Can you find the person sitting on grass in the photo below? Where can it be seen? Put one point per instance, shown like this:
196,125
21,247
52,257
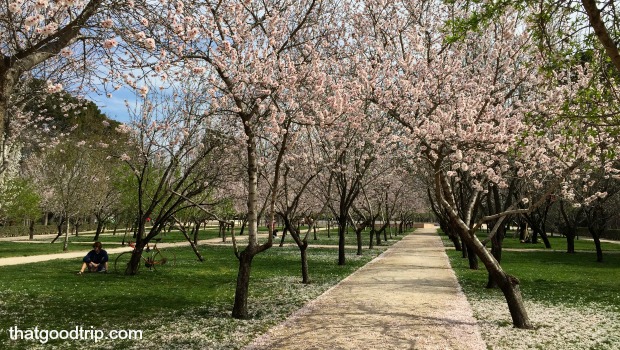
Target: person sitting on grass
96,260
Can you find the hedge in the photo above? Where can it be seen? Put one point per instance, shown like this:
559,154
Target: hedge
613,234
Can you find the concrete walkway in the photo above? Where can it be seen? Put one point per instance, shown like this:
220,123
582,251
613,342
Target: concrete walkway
407,298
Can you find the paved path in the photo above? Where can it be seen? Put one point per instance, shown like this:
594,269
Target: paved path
17,260
407,298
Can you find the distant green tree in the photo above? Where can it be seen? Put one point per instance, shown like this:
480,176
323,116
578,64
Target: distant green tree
21,202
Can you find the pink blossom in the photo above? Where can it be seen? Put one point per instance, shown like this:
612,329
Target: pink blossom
150,43
32,20
53,88
40,4
143,91
123,129
50,29
192,33
15,8
108,23
110,43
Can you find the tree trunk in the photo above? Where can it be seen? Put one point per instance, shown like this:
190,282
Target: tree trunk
384,232
496,251
464,252
243,224
456,241
303,250
65,245
31,229
599,250
98,232
596,233
545,238
192,244
135,261
314,229
196,232
570,241
59,230
342,226
522,230
444,225
598,24
507,283
328,229
358,235
240,308
472,258
76,227
283,235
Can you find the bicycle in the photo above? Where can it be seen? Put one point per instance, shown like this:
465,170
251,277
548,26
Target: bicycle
152,258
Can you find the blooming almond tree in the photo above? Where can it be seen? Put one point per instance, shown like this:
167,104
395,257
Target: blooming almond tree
350,148
63,177
253,57
467,107
40,39
295,202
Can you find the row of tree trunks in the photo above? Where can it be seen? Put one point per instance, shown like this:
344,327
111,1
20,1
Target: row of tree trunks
508,284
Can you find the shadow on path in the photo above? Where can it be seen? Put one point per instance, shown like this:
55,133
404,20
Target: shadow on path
407,298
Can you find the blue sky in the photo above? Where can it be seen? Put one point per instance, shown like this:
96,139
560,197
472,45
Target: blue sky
114,107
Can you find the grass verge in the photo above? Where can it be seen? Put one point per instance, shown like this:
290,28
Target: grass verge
573,301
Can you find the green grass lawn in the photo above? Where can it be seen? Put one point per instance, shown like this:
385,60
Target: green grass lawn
11,249
557,243
166,305
83,243
552,276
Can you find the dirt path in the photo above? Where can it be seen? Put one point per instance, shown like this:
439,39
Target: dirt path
407,298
